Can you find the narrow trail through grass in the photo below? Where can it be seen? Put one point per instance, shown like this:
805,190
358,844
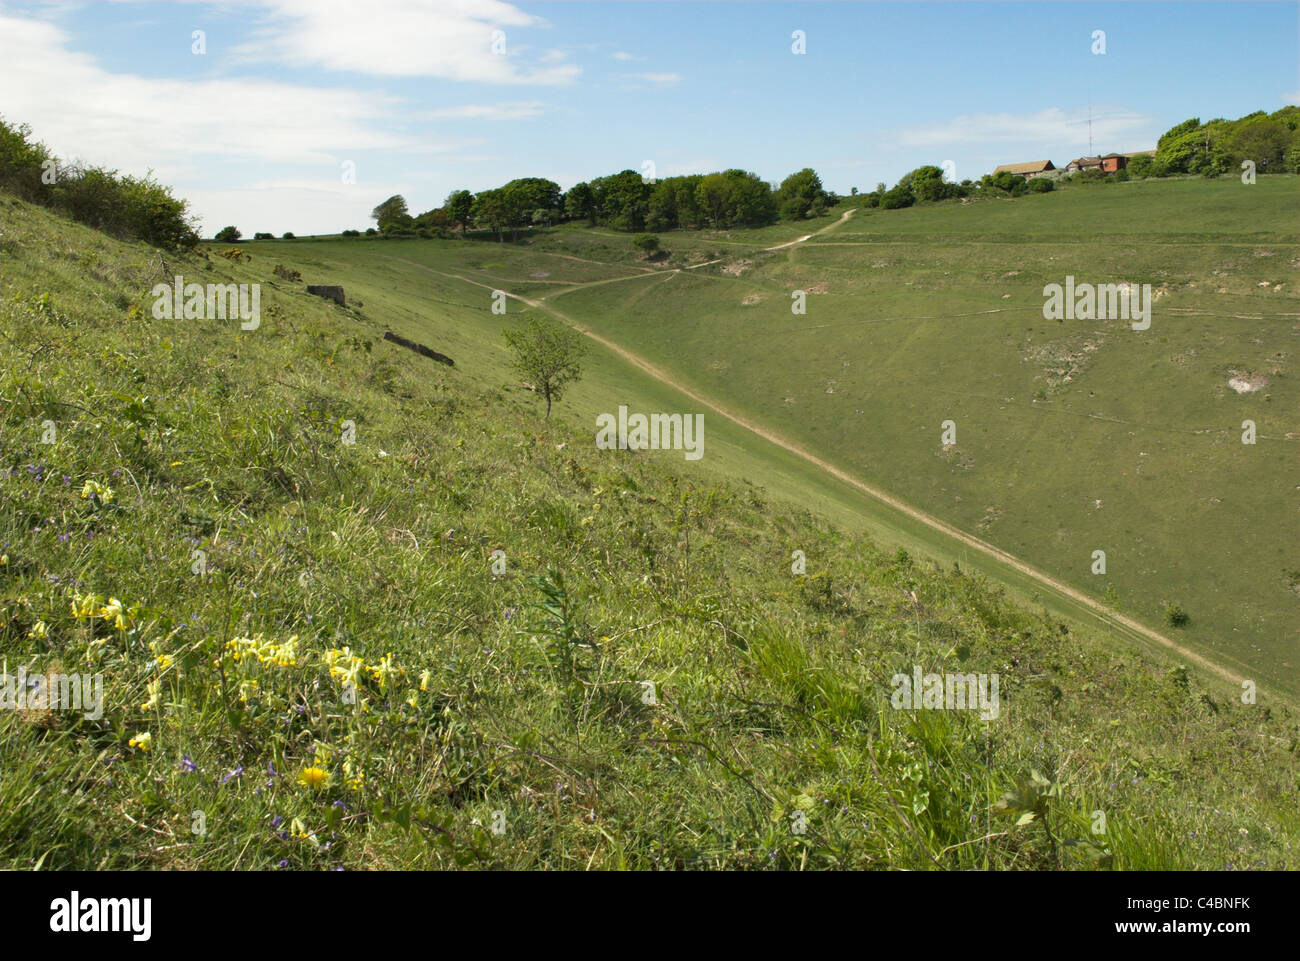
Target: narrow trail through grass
1125,625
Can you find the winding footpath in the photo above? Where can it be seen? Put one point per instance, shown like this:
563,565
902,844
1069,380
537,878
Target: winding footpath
1128,624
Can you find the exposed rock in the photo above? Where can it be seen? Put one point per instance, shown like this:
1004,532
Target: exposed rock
328,292
418,348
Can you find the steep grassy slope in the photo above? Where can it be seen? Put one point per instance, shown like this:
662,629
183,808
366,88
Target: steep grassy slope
1073,436
512,700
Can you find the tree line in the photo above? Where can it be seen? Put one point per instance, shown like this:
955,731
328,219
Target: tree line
625,201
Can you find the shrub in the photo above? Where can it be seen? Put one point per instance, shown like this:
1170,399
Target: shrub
287,273
263,235
1141,166
287,235
129,207
1041,185
351,233
228,235
1175,616
900,196
647,242
371,231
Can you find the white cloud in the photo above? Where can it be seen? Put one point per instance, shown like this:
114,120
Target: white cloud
624,56
517,110
658,79
1292,98
452,39
1112,128
214,131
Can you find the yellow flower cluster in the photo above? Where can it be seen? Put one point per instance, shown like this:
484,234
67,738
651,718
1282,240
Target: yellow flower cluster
266,652
154,690
91,606
144,741
100,492
347,668
344,666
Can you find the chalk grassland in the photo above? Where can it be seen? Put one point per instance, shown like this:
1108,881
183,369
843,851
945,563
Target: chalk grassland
1072,437
227,738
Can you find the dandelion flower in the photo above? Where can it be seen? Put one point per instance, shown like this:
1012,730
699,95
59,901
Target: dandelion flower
313,777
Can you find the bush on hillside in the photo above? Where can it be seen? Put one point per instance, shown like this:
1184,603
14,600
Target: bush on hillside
228,235
133,208
263,235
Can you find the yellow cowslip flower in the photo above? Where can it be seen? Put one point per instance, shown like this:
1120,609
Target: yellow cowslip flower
425,677
85,605
143,740
314,778
344,665
113,611
247,689
152,689
383,671
164,661
97,490
40,630
286,654
413,699
353,776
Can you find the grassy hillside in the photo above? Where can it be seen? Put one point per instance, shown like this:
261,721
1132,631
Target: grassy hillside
1072,436
513,699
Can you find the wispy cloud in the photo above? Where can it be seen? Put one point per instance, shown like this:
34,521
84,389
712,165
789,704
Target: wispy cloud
517,110
1053,127
656,79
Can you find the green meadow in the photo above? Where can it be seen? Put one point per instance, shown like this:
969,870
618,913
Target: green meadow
278,547
1072,436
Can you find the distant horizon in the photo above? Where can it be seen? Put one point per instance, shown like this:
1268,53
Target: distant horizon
284,116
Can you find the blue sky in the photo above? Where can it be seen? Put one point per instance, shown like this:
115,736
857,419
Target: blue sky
256,130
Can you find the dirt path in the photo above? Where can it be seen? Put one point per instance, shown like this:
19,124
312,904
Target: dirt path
929,520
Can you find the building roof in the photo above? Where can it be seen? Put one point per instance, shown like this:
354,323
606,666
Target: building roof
1034,166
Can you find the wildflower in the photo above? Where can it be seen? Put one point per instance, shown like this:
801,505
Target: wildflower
98,491
187,765
384,670
164,661
345,666
85,605
113,611
425,677
413,699
233,774
40,630
313,777
152,689
143,740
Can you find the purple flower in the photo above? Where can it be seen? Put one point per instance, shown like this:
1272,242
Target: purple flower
189,766
275,821
284,864
235,773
